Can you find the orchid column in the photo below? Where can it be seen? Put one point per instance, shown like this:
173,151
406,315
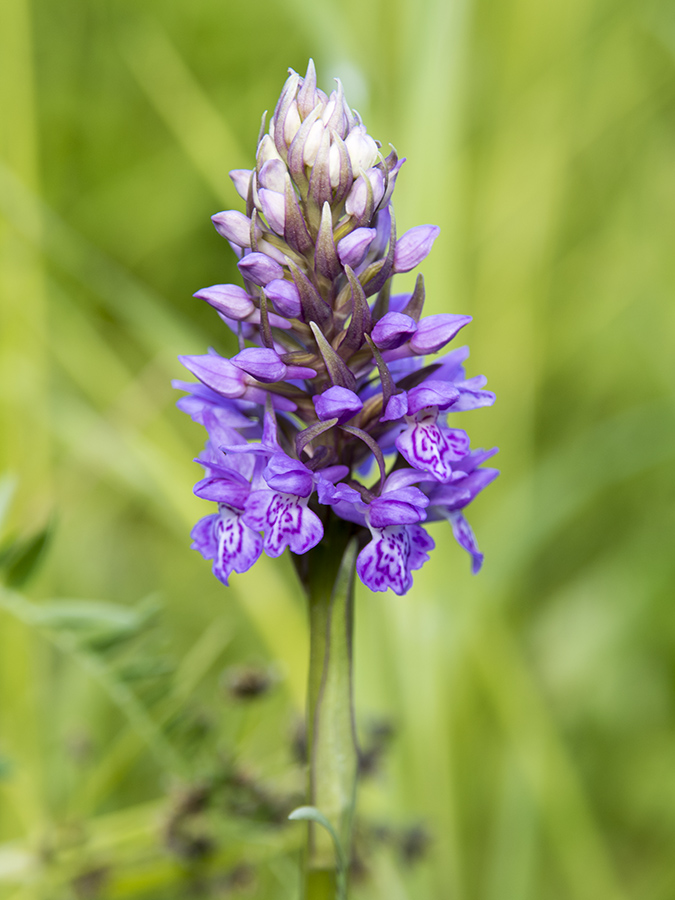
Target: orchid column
327,431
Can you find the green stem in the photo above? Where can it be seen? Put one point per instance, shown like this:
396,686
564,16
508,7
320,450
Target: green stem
328,576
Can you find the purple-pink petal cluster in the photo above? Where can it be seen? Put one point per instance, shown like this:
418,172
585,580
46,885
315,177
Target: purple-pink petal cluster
334,408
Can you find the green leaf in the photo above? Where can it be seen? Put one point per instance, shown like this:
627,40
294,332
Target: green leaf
312,814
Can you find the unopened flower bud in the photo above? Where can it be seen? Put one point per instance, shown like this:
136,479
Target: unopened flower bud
363,150
334,165
217,373
337,402
358,196
241,179
352,248
234,226
229,299
262,363
259,268
414,246
392,330
291,123
313,143
284,295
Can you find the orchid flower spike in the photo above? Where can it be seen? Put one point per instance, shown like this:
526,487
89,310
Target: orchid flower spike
335,407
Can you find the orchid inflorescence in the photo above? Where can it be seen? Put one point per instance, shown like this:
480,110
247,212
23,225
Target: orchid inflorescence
330,409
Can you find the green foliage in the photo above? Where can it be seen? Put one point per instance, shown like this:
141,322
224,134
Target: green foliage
533,705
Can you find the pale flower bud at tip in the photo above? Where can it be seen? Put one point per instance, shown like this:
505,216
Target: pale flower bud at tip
362,148
234,226
414,246
241,179
291,123
312,143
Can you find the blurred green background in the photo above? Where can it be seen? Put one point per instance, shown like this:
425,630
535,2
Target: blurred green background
520,726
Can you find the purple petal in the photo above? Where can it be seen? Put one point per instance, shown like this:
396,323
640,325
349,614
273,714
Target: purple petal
382,564
414,246
262,363
392,330
457,441
451,366
234,226
260,268
284,295
288,475
400,479
238,545
330,494
203,536
448,497
301,373
434,332
333,473
397,407
407,493
465,538
352,248
217,373
470,398
337,402
439,394
285,521
232,489
229,299
388,559
383,512
421,544
476,458
428,447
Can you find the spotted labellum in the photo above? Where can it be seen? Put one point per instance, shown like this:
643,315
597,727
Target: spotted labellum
336,407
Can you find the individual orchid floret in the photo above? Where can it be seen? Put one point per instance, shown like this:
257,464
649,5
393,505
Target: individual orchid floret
280,509
425,444
392,555
330,412
224,537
